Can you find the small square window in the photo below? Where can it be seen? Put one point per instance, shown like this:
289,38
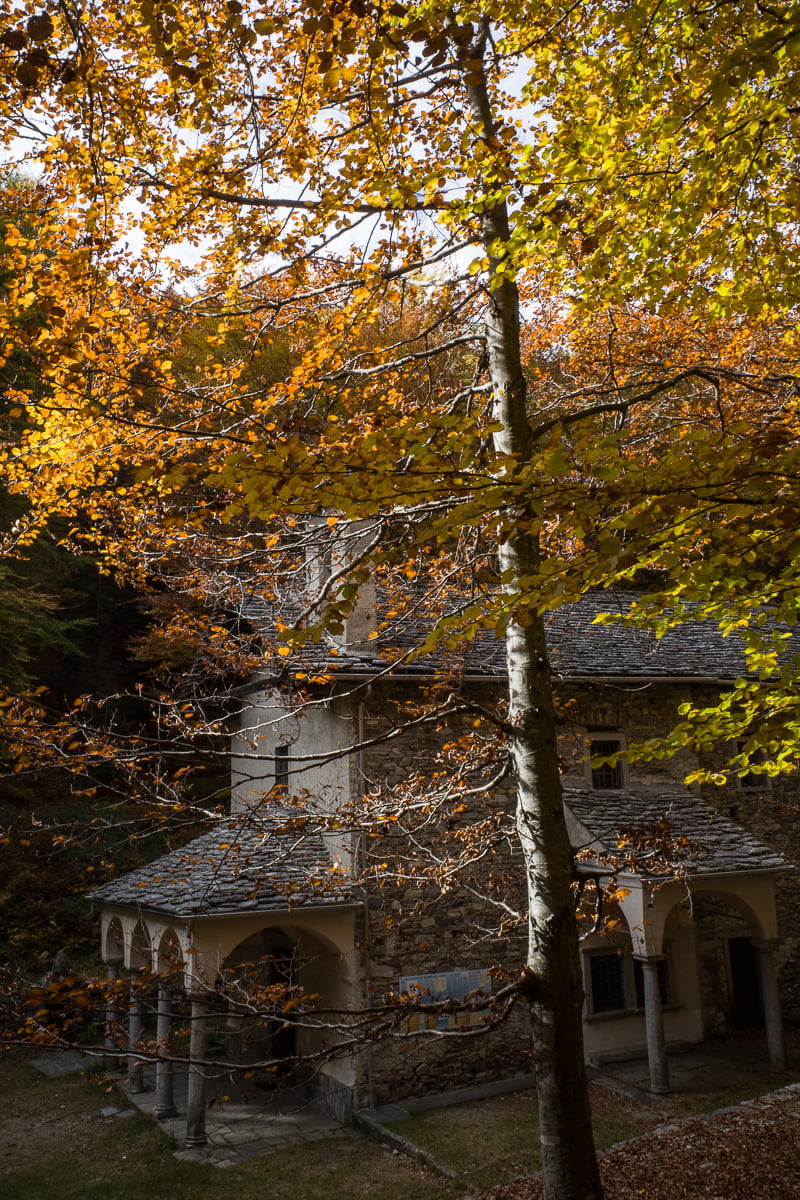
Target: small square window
606,777
615,981
607,982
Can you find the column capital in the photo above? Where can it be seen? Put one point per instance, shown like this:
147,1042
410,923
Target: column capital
766,945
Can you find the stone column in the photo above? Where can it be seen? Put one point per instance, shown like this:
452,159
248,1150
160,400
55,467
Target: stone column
654,1024
112,1016
196,1105
770,999
164,1105
234,1035
135,1022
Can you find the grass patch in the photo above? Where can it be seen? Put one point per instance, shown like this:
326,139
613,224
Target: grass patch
689,1104
55,1142
488,1142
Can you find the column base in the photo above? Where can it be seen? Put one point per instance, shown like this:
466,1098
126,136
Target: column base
162,1114
135,1083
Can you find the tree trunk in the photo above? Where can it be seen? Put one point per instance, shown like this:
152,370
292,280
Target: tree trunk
569,1161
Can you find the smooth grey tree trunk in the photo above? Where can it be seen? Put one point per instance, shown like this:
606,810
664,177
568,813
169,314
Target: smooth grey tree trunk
555,986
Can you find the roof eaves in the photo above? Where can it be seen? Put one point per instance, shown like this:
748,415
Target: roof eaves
177,914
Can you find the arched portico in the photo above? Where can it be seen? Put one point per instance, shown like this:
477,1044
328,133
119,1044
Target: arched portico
312,950
710,853
659,918
309,953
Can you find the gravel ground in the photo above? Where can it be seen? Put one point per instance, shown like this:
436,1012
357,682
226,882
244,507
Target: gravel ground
750,1152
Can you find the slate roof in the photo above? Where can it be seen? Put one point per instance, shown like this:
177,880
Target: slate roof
242,866
247,866
694,649
714,845
578,647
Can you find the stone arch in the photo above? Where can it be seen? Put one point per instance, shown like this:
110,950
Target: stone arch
287,959
728,963
261,971
113,941
614,983
732,899
169,957
732,984
140,951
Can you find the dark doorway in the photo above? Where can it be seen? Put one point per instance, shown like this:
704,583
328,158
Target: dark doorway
280,962
260,978
747,1009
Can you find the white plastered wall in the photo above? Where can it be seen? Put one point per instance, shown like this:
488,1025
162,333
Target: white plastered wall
609,1034
320,774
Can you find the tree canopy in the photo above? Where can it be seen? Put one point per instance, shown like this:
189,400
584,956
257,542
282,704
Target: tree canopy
516,273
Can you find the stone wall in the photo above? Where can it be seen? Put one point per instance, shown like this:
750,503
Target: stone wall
439,902
715,921
771,813
424,917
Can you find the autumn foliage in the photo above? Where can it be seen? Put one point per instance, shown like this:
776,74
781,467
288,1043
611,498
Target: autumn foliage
470,277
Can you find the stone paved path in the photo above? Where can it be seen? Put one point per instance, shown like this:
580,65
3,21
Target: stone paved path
243,1125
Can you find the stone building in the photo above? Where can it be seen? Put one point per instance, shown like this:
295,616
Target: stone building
316,884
